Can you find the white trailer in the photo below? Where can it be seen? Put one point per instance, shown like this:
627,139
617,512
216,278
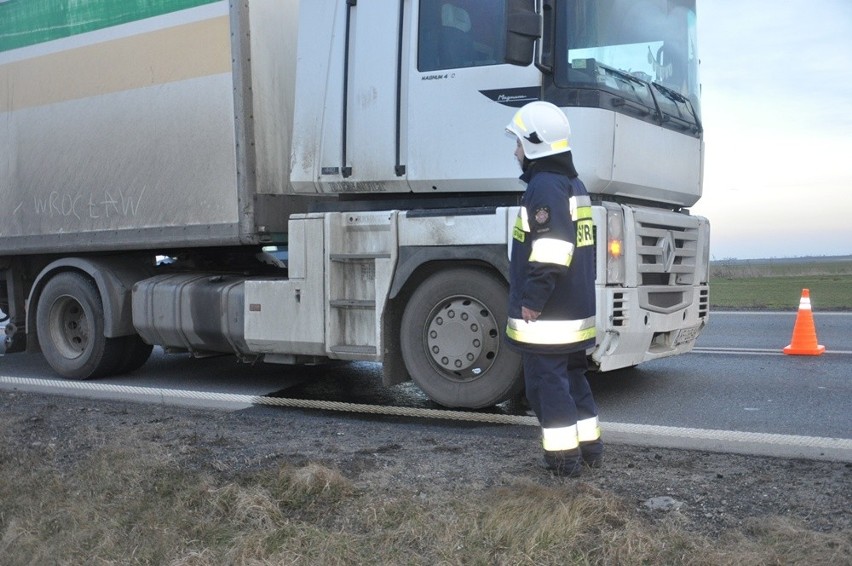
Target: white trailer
153,153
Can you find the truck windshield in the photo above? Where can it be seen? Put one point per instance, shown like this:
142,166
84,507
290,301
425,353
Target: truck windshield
642,51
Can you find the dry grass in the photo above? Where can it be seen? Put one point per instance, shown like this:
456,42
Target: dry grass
131,502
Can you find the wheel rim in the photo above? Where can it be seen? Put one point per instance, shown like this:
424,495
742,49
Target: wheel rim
461,338
69,327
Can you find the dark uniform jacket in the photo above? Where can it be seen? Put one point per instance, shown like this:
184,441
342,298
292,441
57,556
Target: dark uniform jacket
553,263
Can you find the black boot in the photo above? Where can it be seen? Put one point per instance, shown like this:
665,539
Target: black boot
592,453
567,463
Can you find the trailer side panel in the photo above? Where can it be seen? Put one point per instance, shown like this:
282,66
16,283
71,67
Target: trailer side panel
121,137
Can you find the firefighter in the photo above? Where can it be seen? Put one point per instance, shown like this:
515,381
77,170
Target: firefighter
552,290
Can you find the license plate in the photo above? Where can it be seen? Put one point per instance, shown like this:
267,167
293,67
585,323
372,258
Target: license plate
688,335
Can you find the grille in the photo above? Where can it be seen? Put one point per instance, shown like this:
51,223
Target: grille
666,251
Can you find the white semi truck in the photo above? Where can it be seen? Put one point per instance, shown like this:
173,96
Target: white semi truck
297,181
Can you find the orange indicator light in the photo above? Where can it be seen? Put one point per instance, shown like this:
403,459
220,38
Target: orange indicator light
615,248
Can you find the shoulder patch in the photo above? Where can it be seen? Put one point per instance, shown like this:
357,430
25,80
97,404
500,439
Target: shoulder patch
542,215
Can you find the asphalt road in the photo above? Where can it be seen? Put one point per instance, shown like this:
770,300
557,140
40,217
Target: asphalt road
736,380
739,379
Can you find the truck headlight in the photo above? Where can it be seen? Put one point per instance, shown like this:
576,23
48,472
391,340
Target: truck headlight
615,264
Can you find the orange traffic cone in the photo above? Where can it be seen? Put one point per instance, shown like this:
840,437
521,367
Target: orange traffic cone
804,341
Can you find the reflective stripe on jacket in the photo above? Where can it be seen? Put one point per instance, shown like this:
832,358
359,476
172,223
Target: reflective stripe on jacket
551,331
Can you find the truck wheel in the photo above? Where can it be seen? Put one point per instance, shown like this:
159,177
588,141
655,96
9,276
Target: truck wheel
451,340
135,352
70,326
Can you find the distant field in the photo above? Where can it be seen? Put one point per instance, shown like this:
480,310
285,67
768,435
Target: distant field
778,284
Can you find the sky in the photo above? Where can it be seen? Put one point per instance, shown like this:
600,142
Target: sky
776,101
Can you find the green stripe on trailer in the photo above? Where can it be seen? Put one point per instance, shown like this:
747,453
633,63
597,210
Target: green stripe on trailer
28,22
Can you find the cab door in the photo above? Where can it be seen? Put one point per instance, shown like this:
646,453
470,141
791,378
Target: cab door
460,96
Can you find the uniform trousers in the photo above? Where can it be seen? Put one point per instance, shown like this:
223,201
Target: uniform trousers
557,388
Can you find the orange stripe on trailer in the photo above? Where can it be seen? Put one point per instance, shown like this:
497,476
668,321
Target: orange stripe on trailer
168,55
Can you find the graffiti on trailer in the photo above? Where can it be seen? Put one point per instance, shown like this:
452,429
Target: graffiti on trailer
77,205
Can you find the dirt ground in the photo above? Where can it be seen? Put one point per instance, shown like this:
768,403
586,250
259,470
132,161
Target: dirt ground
709,492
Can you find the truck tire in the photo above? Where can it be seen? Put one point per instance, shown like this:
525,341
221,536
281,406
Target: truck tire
135,352
70,327
451,340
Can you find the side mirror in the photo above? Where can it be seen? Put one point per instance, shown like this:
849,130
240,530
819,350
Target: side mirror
523,28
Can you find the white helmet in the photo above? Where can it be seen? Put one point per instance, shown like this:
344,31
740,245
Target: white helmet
542,128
